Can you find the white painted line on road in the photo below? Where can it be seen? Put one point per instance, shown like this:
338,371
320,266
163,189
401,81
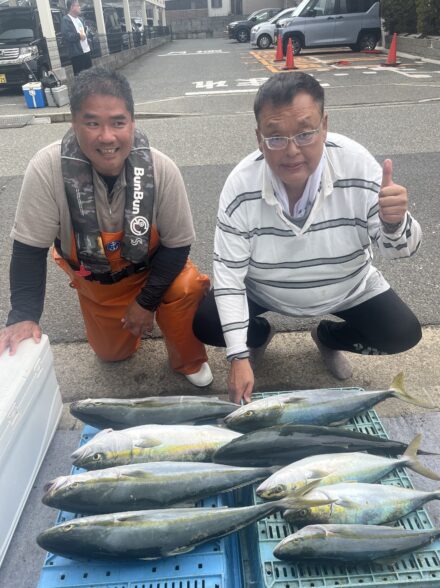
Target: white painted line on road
429,100
179,53
402,72
370,73
213,92
341,74
159,100
16,104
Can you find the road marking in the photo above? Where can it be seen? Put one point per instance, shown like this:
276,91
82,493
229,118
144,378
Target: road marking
214,92
184,53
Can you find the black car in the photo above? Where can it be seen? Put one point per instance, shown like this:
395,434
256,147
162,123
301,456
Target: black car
241,29
23,49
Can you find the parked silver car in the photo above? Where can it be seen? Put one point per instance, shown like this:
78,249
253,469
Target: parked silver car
332,23
263,34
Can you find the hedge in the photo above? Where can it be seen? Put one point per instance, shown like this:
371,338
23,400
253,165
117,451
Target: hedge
411,16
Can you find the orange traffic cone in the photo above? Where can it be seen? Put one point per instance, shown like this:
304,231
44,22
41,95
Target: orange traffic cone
289,56
392,58
279,53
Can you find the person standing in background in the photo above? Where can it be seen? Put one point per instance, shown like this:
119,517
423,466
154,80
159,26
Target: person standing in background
74,34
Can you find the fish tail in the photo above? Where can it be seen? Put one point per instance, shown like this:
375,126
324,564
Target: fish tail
413,461
397,390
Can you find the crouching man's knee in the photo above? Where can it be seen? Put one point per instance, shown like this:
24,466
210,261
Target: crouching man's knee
405,336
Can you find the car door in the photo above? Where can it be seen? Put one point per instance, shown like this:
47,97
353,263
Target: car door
319,22
348,22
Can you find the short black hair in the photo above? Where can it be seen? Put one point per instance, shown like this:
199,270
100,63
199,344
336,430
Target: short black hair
100,81
70,3
281,89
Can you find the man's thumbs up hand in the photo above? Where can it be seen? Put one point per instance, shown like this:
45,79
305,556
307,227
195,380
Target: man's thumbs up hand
393,199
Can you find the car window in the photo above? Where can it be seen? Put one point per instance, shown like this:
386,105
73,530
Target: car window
320,8
284,14
14,26
353,6
262,17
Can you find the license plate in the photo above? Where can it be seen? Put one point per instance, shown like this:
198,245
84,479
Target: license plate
2,79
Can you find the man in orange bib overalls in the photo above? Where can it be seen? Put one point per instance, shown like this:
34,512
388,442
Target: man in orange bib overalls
118,217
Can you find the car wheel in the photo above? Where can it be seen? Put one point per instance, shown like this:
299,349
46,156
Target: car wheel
296,44
264,41
366,42
242,36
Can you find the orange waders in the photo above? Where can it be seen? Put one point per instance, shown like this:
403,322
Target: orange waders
104,305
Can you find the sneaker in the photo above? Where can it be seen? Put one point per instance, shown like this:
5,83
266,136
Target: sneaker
335,361
256,353
201,378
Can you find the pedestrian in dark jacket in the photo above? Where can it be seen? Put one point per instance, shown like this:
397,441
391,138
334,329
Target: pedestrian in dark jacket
74,35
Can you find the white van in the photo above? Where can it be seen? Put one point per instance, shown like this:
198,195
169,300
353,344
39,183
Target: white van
263,34
332,23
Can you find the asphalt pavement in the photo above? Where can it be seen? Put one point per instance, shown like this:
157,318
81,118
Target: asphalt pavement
191,108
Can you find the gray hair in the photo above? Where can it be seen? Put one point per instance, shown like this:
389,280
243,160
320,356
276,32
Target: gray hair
281,89
100,81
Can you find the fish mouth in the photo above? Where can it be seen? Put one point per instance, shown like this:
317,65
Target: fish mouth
54,485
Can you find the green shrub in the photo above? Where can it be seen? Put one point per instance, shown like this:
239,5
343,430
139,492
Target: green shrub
428,16
400,16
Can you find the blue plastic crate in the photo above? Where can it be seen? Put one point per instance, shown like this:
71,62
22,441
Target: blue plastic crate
213,565
420,569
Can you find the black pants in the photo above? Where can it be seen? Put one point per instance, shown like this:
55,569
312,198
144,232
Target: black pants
80,62
381,325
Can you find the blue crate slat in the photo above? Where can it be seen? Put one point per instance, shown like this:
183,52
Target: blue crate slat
417,570
213,565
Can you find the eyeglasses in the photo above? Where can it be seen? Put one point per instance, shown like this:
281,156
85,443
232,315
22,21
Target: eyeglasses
300,140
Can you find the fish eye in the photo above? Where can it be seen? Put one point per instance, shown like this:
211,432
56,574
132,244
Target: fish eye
97,456
249,413
75,484
67,528
280,488
303,512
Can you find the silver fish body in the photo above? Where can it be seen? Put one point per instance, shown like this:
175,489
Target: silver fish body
145,486
366,504
315,407
352,543
332,468
283,444
122,413
152,534
148,443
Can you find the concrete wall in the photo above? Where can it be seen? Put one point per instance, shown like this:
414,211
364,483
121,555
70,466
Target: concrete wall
199,28
428,47
223,11
253,5
117,60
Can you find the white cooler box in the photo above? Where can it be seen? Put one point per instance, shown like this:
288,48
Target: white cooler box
30,407
58,96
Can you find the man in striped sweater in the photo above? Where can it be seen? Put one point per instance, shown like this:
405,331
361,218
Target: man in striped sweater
296,224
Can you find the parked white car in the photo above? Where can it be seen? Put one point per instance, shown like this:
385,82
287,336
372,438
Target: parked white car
262,34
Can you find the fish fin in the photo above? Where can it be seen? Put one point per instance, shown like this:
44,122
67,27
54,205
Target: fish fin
311,484
146,443
413,461
180,550
397,390
346,503
341,422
